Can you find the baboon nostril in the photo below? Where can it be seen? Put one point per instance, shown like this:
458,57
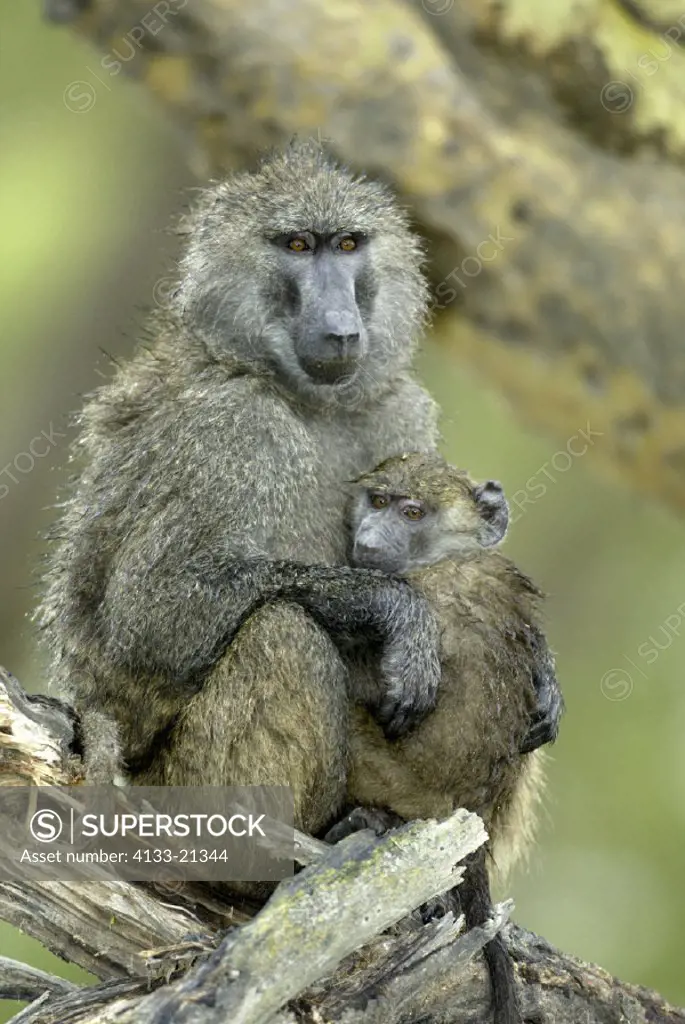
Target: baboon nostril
345,340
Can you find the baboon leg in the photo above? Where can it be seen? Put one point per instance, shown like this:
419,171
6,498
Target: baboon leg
473,898
272,711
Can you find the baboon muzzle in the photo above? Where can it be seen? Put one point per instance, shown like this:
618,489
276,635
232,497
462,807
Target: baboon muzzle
331,344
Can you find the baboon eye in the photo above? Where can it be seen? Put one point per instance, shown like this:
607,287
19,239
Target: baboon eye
380,500
347,244
413,512
298,245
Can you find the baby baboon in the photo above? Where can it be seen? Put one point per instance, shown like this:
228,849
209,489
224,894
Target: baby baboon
418,518
199,586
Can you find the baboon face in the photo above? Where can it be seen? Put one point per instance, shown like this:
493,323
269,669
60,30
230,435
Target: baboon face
306,270
416,510
323,298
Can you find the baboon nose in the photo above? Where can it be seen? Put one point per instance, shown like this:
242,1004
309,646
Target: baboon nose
345,345
342,331
366,553
376,556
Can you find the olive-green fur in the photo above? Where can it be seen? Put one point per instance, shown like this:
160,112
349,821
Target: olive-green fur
466,753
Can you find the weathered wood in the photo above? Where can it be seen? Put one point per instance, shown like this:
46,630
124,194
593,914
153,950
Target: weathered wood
36,737
101,926
313,921
337,943
418,975
20,981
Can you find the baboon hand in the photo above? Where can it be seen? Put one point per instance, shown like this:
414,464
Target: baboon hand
544,724
410,668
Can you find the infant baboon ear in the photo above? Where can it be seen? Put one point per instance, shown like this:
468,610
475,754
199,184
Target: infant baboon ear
494,511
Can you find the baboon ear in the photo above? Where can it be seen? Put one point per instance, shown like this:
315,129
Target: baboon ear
494,512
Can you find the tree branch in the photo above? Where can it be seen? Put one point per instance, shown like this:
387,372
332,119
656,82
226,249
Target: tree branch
560,258
20,981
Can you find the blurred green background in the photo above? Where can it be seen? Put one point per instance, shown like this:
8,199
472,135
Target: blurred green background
84,200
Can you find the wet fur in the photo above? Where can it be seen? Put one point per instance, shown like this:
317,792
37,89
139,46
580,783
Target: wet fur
466,753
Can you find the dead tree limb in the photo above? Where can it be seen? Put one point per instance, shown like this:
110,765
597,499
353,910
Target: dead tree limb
20,981
337,943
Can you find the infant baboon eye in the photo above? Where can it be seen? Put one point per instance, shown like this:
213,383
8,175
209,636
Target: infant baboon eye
298,245
347,244
413,512
379,500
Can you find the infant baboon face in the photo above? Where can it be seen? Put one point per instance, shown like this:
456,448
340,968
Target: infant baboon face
416,510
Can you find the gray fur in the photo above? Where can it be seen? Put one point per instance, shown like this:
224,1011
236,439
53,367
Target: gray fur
211,456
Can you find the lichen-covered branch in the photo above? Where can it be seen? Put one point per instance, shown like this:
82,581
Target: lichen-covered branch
556,251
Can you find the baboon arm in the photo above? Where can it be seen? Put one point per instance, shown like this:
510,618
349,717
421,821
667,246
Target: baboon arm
202,607
352,602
